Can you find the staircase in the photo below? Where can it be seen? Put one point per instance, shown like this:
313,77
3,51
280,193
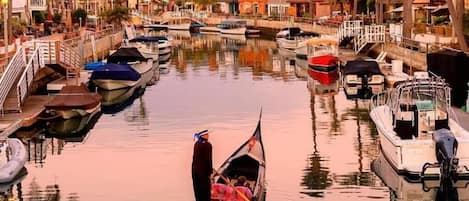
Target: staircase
361,35
70,58
370,34
9,79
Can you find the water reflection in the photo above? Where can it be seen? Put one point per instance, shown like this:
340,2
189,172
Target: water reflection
319,143
401,189
317,175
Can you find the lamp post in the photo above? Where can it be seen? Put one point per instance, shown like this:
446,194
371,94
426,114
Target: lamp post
5,27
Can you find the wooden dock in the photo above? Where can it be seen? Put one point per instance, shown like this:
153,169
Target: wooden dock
34,105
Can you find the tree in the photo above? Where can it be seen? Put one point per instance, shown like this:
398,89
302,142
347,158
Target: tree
77,14
457,20
117,15
205,3
39,17
408,22
57,18
354,9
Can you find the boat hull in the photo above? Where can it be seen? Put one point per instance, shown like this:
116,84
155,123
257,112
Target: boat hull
71,113
143,67
287,44
353,79
236,31
184,26
324,77
114,84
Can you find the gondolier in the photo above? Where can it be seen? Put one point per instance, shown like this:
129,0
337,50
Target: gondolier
202,166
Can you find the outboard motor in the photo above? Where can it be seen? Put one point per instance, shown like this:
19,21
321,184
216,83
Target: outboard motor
446,146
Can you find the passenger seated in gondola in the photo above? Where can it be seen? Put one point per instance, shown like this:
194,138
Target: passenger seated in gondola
242,186
221,192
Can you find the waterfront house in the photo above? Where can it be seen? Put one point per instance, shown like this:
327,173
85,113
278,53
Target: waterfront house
319,8
277,8
251,7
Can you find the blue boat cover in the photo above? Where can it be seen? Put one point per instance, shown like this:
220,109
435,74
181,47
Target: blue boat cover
94,65
115,72
126,54
145,39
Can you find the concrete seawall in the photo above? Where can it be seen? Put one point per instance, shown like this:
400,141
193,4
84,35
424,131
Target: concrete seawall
277,25
102,45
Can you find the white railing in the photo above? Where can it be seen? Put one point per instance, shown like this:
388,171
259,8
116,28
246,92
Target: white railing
350,28
48,50
35,63
11,73
70,57
370,34
375,33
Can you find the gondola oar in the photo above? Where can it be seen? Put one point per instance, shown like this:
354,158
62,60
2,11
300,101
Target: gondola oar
231,185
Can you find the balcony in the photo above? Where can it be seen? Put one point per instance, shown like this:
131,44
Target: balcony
38,5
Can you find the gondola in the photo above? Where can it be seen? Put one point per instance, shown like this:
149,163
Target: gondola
249,161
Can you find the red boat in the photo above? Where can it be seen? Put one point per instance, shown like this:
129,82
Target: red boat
324,77
324,68
324,60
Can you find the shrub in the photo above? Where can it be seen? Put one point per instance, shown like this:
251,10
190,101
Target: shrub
39,17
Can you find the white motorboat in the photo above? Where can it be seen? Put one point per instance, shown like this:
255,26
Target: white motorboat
147,46
288,31
318,46
418,134
16,156
362,91
233,26
361,72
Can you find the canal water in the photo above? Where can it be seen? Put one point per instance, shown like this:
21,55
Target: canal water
319,143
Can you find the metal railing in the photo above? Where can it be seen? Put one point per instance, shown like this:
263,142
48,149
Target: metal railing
48,50
70,56
35,63
370,34
10,75
350,28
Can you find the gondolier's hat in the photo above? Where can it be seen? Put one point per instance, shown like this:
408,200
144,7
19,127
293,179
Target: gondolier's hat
200,133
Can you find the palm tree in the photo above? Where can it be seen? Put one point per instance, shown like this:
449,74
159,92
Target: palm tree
117,15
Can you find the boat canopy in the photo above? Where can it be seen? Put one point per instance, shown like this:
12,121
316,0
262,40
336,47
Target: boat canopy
361,67
116,72
145,39
125,55
74,97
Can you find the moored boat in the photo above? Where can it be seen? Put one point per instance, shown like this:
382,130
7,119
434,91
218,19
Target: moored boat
147,45
133,57
362,72
249,161
115,76
233,26
73,101
418,134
